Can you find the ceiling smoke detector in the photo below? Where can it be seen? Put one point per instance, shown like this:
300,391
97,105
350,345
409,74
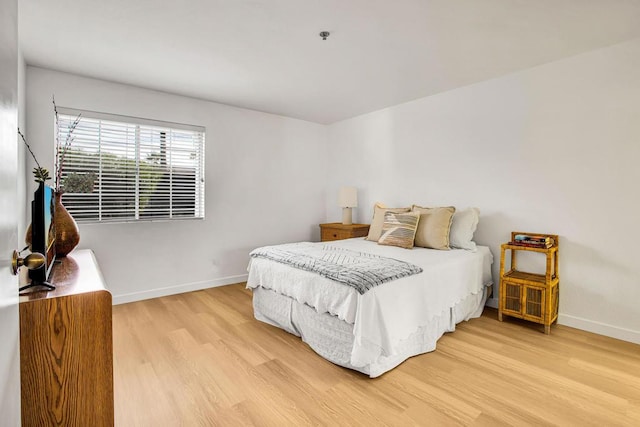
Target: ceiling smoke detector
324,34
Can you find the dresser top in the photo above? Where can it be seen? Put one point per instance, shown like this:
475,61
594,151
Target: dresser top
74,274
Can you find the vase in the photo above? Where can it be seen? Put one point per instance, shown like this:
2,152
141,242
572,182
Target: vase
67,232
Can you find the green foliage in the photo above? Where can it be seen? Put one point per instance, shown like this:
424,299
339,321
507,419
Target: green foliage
116,171
41,174
78,182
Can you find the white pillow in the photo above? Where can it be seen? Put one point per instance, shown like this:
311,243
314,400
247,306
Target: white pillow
463,226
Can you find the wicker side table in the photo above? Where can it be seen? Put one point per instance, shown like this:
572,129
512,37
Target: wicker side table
530,296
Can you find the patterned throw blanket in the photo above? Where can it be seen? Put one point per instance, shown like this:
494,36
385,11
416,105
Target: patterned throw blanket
360,270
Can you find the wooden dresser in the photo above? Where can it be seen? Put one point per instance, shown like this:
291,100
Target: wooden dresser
66,348
339,231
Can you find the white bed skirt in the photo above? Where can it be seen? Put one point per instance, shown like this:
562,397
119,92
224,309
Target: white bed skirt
332,338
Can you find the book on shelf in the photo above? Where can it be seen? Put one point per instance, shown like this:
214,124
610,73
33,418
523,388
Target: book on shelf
539,245
533,239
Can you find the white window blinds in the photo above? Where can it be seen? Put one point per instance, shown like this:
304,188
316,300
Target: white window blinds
118,168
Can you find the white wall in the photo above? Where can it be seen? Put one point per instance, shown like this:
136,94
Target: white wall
551,149
265,181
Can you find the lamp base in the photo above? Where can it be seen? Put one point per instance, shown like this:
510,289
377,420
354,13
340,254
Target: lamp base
346,216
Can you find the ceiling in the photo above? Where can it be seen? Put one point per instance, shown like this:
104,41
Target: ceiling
266,54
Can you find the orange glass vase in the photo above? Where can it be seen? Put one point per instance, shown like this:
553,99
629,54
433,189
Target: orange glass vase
67,232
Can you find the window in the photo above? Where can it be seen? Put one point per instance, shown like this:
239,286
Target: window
118,168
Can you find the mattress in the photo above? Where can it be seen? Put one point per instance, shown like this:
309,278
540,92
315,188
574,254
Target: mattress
385,317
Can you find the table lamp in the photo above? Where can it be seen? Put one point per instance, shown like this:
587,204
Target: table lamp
348,199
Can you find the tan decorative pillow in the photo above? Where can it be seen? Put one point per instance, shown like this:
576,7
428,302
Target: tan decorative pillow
434,226
378,219
399,229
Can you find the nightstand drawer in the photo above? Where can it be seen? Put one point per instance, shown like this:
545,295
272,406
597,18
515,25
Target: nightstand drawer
338,231
334,234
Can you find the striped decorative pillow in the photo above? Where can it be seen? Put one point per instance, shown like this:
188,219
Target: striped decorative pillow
378,219
399,229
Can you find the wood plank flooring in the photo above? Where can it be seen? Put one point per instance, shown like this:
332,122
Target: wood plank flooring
201,359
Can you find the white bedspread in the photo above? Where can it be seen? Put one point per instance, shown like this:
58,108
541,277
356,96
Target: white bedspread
389,313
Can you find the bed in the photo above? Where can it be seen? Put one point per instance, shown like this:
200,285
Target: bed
375,331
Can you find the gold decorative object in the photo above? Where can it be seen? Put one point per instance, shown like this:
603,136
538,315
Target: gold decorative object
32,261
67,232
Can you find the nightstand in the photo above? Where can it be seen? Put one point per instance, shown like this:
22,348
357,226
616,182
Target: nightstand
339,231
530,296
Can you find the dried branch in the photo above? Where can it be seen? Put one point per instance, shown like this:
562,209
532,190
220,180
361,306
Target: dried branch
61,150
39,173
29,148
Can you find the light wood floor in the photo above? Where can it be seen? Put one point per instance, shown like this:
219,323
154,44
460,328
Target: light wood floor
201,359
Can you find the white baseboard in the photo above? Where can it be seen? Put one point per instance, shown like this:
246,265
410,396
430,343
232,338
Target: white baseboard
589,325
178,289
599,328
563,319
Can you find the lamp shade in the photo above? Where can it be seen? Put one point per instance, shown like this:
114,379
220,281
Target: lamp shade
348,197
